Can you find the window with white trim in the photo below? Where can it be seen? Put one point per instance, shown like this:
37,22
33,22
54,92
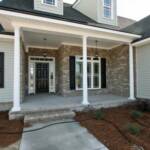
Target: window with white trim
50,2
107,9
93,73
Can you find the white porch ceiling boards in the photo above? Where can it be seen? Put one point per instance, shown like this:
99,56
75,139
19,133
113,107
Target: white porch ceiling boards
54,40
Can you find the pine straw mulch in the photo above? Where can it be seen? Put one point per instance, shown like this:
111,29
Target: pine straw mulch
7,126
112,130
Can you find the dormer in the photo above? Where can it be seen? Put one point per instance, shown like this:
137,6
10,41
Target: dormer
102,11
50,6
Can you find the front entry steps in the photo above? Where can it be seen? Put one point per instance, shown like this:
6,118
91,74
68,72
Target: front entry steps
42,115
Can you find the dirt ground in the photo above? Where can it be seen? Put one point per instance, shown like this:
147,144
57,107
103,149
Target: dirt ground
7,127
112,129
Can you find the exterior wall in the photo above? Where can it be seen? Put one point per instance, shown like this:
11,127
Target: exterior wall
101,19
143,71
94,10
39,5
6,93
119,71
64,81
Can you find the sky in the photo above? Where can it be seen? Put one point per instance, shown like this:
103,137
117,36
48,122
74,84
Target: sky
134,9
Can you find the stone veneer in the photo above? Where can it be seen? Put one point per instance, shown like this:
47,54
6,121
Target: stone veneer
119,71
64,80
117,68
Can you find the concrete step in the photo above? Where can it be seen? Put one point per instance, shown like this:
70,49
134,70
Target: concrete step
48,116
32,116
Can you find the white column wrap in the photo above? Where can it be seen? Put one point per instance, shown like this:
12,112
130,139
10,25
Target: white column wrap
131,72
85,85
16,93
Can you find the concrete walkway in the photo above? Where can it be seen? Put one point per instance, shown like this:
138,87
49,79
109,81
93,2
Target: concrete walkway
60,137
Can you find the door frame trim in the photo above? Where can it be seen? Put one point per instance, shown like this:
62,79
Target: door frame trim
33,62
47,68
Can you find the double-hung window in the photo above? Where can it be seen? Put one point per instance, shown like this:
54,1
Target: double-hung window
50,2
1,70
93,73
107,9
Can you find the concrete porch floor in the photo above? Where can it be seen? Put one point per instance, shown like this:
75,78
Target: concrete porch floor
47,102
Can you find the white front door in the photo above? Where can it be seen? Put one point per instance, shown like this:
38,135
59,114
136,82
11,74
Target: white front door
33,60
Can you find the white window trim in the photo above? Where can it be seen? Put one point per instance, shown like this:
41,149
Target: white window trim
77,59
56,3
112,5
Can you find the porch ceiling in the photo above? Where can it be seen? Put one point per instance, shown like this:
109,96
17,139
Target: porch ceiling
54,40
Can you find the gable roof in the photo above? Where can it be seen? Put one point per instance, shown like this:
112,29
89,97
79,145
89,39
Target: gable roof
141,27
70,14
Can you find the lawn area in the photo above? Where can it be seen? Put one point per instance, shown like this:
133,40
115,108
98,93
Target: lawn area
10,131
122,128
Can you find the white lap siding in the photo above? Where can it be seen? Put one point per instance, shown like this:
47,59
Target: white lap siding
58,9
143,71
6,93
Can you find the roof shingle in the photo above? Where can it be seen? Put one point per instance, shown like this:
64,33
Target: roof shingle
141,27
70,14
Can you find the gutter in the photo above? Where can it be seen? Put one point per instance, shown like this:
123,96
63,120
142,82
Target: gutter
70,24
142,42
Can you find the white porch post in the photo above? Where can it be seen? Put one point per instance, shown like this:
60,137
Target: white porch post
131,72
16,93
85,85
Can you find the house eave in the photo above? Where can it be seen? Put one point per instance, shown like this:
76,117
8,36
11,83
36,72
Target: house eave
142,42
17,15
6,36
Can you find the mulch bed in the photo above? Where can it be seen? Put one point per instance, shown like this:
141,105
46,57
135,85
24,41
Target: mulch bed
112,129
7,126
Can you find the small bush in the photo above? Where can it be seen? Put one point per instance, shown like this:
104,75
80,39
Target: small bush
98,115
134,128
136,114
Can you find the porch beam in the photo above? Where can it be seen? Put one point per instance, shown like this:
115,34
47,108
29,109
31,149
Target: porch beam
76,31
16,92
85,85
131,72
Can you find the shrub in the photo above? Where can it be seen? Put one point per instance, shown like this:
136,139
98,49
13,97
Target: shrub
136,114
134,128
98,115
